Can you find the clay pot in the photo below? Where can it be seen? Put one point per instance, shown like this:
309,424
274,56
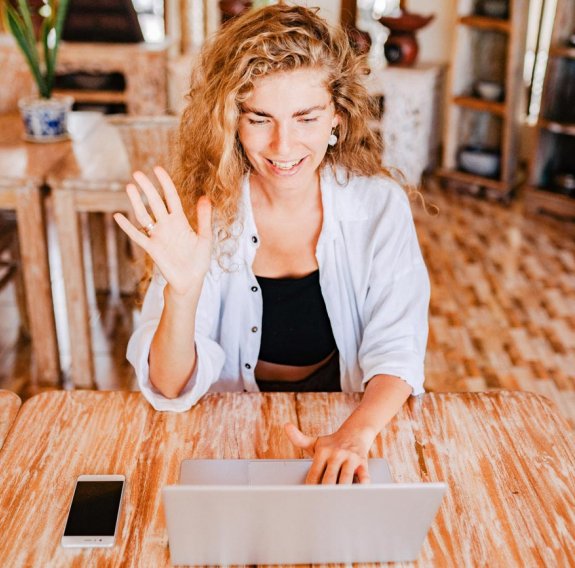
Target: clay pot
401,47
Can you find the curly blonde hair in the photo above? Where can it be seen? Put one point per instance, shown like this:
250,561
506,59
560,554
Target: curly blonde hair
274,39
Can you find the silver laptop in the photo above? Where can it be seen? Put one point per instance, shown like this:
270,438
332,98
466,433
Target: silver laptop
260,512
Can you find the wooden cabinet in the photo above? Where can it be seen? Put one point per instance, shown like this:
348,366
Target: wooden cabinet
485,96
552,175
409,122
143,66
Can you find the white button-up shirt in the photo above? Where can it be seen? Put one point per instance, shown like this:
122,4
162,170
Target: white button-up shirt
372,277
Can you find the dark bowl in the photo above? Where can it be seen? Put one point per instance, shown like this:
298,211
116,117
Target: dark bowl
494,8
407,22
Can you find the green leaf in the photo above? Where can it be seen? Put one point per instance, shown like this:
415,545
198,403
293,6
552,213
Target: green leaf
17,26
59,10
49,72
24,10
19,22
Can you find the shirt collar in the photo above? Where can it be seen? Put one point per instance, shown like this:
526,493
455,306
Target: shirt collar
330,183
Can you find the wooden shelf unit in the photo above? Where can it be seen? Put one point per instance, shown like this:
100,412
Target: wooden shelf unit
557,127
143,65
477,103
486,49
485,23
96,96
562,51
555,136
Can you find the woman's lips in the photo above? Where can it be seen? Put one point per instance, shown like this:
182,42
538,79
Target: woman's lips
285,171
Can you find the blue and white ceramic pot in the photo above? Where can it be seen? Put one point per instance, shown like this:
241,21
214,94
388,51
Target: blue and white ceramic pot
45,120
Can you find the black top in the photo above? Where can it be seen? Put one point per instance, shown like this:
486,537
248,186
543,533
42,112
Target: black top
295,327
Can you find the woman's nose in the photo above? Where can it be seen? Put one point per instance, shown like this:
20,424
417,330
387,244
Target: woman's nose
282,141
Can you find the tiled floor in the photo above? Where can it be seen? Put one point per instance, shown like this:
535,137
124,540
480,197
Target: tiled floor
502,312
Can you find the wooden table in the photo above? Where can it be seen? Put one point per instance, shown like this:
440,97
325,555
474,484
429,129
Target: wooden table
93,179
23,169
507,457
9,406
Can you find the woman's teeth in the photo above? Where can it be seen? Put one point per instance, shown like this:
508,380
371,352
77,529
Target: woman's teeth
285,165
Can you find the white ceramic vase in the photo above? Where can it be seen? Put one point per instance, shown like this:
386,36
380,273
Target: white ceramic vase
45,120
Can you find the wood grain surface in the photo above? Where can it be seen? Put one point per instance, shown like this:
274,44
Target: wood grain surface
9,406
507,457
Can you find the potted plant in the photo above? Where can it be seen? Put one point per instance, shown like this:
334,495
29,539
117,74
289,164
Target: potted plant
45,116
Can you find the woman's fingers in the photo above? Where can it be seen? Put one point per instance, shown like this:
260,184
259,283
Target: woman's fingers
170,192
347,472
131,231
140,211
155,201
363,473
299,439
315,473
331,474
205,217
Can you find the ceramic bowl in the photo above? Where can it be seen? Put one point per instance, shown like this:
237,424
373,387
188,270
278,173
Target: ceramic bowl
564,183
489,90
479,161
494,8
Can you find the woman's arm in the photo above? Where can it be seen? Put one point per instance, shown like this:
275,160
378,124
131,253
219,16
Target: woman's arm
183,257
343,454
172,356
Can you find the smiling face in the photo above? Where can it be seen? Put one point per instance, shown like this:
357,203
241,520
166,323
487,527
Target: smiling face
285,125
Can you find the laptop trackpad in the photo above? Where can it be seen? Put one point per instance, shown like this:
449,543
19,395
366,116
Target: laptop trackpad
293,472
262,472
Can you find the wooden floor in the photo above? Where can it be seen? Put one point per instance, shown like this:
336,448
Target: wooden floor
502,310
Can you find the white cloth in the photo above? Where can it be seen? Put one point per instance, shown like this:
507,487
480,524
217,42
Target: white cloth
373,280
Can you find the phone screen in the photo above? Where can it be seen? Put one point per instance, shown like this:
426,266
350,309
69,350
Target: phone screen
94,509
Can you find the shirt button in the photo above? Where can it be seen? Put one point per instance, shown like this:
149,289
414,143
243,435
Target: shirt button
247,366
254,329
254,239
254,288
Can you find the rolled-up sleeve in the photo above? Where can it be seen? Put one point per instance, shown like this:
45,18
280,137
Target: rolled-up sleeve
396,307
209,355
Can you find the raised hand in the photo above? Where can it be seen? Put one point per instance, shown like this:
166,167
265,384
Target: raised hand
181,254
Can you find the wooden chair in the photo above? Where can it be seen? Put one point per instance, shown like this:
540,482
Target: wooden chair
10,266
134,143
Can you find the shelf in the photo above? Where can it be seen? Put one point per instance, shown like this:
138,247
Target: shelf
557,127
472,179
476,103
486,49
94,96
539,199
562,51
485,23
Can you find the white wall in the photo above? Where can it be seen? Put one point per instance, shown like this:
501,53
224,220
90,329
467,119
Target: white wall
436,39
328,9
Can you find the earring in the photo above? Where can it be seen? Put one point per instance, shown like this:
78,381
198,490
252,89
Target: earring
332,140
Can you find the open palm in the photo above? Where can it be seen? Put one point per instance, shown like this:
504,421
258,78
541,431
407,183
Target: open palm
181,254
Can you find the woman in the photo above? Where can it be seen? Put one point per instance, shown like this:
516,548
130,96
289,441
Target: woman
303,271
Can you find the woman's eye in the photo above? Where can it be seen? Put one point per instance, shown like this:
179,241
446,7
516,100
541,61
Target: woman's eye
306,120
252,121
